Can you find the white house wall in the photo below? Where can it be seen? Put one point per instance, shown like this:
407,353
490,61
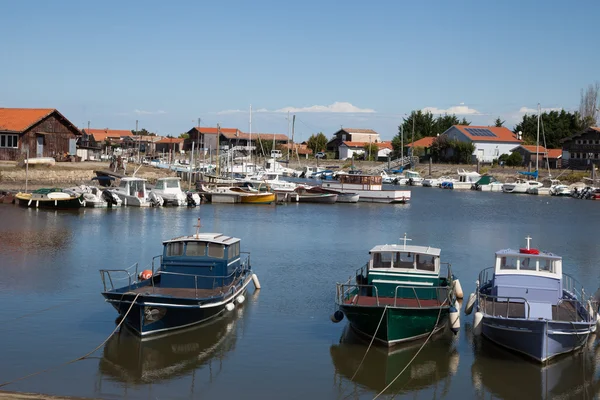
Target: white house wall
348,152
484,151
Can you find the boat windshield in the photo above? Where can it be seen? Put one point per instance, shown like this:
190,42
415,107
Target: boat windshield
527,264
195,249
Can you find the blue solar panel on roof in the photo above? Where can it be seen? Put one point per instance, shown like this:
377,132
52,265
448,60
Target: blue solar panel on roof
480,132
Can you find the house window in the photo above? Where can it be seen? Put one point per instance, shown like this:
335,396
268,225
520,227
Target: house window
9,141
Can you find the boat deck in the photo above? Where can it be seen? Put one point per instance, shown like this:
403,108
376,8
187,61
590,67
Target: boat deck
370,301
563,312
186,293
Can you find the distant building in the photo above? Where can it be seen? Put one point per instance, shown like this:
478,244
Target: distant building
349,149
352,135
206,138
425,143
490,141
581,150
546,158
300,149
43,131
100,138
169,145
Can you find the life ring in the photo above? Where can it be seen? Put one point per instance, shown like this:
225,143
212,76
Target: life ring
529,251
145,274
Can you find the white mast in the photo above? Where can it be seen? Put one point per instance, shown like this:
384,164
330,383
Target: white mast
250,140
537,145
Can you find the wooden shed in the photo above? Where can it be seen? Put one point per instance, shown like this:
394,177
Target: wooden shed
44,131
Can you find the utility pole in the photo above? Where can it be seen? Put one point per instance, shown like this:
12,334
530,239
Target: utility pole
401,141
288,137
137,134
218,136
250,139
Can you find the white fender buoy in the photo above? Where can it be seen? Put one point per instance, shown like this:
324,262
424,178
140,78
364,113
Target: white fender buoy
240,299
229,306
458,289
470,303
255,281
597,323
477,323
337,316
454,316
590,310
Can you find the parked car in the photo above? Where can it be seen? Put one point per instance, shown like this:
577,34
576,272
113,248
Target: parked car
321,154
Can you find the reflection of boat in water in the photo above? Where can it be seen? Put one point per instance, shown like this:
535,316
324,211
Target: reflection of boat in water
504,375
128,358
437,362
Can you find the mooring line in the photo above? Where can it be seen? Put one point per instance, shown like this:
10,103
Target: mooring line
45,309
78,358
415,356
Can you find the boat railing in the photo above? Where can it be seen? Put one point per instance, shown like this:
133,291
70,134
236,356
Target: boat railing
577,311
106,276
344,291
441,293
160,257
571,285
486,276
504,300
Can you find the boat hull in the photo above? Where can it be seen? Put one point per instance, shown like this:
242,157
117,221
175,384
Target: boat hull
262,198
25,200
151,315
348,198
540,340
399,324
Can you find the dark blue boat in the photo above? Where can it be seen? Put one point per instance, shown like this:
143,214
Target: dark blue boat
198,278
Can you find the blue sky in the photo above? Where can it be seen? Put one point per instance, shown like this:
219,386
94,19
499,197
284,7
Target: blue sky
362,64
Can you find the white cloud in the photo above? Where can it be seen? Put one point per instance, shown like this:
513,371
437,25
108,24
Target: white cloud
527,110
224,112
337,107
144,112
457,110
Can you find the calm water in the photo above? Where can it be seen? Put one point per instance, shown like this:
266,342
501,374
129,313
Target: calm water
281,343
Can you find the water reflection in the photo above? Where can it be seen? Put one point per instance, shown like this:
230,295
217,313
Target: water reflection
499,372
129,359
434,366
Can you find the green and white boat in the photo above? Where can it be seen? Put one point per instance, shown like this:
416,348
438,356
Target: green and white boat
403,293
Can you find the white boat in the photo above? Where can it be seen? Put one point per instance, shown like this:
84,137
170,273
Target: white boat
132,191
412,178
466,179
307,171
368,187
169,188
487,183
271,180
520,186
431,182
274,166
559,189
447,182
95,197
387,179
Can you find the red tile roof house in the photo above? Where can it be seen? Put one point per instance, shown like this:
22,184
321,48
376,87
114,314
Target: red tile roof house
425,143
356,135
349,149
490,141
207,138
166,145
43,131
528,152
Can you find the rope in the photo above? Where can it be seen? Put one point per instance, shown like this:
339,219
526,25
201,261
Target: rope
40,311
370,344
415,356
78,358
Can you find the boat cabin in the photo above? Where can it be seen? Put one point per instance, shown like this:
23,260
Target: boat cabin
414,266
528,274
135,187
168,184
204,260
361,182
468,177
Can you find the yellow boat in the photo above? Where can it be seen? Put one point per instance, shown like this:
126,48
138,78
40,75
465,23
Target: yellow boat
254,197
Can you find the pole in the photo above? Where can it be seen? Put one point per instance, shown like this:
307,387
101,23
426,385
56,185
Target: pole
218,137
293,124
27,170
412,146
288,138
250,139
537,143
191,166
139,141
401,141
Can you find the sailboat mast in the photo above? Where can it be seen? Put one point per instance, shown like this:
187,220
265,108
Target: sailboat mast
288,137
250,140
537,143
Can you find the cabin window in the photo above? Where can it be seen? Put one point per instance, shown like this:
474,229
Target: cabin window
216,250
175,249
382,260
172,184
425,262
159,185
234,251
528,264
195,249
10,141
546,266
404,260
508,263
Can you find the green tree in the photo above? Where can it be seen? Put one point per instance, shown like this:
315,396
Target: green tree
554,125
371,151
317,142
184,136
515,159
445,122
499,123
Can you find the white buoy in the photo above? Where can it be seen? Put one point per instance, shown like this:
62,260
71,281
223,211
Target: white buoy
458,289
229,306
454,319
240,299
255,281
470,303
597,323
477,323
